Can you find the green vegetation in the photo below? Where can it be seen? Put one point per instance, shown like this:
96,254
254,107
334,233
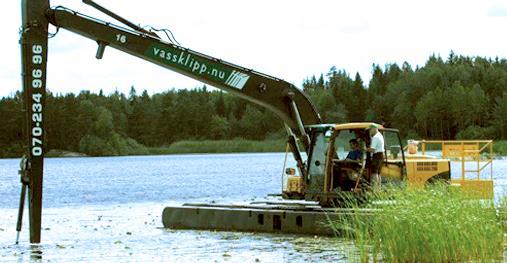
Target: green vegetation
221,146
500,147
456,98
438,224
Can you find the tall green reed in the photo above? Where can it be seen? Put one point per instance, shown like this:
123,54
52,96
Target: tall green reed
435,224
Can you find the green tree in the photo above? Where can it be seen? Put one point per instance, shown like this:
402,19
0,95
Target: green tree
220,127
499,121
220,105
249,123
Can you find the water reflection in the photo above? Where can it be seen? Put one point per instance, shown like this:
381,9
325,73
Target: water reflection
36,252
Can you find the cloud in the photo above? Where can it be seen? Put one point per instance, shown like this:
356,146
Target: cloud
356,28
498,10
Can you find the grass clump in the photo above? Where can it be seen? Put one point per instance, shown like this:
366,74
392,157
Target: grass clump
221,146
437,224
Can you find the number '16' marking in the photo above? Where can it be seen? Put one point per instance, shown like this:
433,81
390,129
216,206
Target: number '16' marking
121,38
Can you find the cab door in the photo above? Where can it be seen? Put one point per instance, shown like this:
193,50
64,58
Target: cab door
394,168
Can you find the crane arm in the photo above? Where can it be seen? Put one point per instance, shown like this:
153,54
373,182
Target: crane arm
278,96
275,94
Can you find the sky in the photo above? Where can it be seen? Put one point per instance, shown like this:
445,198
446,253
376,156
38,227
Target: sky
291,40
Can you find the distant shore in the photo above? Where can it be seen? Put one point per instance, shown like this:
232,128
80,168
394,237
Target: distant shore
63,153
220,146
227,146
196,146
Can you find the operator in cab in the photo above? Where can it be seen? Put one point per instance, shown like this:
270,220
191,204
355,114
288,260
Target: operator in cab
377,150
355,154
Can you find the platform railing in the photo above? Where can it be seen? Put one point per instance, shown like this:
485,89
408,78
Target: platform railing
479,151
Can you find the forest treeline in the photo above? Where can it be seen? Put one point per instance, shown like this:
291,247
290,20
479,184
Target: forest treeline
453,98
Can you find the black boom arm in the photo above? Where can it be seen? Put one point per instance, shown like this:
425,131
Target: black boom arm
267,91
279,96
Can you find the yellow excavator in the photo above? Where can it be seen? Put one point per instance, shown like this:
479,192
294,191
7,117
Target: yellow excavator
330,172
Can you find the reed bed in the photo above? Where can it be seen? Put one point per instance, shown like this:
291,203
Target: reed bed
221,146
436,224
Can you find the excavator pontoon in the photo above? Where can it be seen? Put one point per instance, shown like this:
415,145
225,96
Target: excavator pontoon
314,183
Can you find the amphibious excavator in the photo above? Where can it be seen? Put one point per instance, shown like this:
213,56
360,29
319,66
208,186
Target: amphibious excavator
320,171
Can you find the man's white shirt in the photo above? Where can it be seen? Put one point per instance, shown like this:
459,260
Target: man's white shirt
377,143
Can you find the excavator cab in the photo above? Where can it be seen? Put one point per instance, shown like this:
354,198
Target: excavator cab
330,172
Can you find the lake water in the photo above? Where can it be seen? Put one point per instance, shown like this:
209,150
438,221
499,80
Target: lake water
109,209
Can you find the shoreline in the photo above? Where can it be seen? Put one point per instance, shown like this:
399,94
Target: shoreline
218,146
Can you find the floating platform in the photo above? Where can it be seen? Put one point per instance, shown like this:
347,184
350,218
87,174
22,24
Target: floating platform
268,217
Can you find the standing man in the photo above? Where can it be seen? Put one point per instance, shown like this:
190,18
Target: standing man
377,150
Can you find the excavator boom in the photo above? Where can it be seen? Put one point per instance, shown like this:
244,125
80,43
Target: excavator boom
256,87
280,97
34,43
